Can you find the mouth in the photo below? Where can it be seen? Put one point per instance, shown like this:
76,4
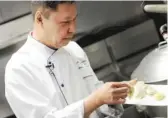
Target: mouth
69,38
66,39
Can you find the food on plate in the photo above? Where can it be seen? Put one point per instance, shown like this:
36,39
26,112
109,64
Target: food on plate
150,90
159,96
130,93
132,82
139,90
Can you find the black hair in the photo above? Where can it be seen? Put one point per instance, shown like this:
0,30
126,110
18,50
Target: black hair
46,4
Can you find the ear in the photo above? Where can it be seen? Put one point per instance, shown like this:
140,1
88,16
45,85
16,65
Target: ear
39,18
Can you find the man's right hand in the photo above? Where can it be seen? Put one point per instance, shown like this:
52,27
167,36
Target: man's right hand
110,93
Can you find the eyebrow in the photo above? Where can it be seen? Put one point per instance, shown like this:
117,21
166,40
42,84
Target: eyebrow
69,18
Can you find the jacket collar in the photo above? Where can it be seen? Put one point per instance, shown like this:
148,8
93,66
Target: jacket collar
39,46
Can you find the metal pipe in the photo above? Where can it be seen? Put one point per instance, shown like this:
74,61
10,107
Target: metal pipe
157,8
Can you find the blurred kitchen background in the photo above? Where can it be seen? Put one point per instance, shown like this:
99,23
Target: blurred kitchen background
116,36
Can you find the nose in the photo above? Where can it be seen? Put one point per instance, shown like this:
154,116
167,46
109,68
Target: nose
72,27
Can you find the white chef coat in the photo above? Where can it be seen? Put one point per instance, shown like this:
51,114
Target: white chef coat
32,91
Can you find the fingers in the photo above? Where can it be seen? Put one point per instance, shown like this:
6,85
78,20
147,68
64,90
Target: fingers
120,90
119,101
121,95
119,84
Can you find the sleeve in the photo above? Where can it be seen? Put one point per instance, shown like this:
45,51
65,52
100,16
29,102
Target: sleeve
114,111
28,99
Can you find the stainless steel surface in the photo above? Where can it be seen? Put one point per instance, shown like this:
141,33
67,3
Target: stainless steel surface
153,67
163,29
98,54
153,70
133,39
163,32
93,14
1,16
107,74
101,74
131,112
15,31
156,8
11,9
129,65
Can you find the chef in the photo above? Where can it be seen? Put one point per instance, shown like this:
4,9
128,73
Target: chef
50,75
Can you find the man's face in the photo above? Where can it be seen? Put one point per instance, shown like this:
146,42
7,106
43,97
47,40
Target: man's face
59,28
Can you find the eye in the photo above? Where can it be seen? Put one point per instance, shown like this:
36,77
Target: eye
66,22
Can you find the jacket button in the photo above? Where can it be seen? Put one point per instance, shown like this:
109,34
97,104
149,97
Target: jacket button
62,85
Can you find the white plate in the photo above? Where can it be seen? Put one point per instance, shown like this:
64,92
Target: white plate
149,100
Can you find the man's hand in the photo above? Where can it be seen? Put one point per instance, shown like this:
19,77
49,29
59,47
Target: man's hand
112,93
109,93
